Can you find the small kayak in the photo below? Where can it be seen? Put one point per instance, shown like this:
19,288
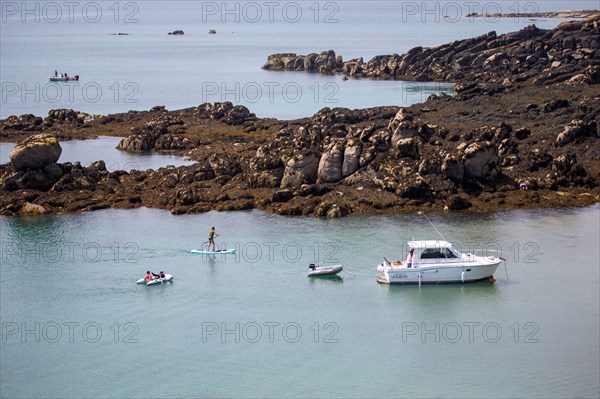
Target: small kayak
325,270
166,279
218,251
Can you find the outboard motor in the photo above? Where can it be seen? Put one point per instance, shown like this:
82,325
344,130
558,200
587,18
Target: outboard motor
76,77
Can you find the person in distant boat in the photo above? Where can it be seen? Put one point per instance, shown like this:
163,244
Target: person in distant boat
211,238
162,274
55,73
148,276
409,258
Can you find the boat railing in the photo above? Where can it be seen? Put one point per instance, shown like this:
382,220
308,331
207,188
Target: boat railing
486,255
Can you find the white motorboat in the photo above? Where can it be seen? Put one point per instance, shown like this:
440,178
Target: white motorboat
316,270
438,262
166,279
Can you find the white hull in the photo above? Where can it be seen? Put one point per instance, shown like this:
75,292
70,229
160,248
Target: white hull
439,274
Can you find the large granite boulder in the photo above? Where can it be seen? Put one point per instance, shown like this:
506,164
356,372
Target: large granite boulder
351,161
453,169
401,127
34,164
481,160
330,165
35,152
300,169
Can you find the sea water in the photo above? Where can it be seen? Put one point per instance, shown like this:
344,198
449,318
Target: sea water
147,67
104,148
75,324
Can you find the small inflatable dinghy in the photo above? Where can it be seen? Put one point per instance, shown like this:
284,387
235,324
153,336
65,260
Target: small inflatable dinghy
166,279
315,270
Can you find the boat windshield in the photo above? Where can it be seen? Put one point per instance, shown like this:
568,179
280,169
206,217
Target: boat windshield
452,253
439,253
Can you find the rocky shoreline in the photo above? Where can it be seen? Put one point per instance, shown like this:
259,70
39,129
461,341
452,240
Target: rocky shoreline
529,55
521,131
566,14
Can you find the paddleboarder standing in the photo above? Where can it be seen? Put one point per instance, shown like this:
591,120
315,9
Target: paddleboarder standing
211,238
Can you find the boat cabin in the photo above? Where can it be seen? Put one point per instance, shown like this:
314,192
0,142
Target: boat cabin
432,251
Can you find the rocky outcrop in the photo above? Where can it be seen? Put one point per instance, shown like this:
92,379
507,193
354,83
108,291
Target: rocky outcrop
576,130
451,153
352,154
542,56
480,160
57,118
458,203
143,139
26,122
330,165
32,209
326,62
35,152
165,132
156,133
34,164
300,169
225,112
566,14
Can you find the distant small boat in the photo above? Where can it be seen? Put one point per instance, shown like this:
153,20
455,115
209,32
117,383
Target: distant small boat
63,78
316,270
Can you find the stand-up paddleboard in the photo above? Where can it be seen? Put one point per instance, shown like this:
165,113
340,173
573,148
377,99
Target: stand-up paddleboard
218,251
166,279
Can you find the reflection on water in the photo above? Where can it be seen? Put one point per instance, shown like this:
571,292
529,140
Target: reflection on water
326,279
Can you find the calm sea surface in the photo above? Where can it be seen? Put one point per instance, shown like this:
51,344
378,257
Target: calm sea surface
147,67
75,324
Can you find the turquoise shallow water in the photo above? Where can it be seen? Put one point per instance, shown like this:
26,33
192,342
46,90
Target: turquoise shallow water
75,324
